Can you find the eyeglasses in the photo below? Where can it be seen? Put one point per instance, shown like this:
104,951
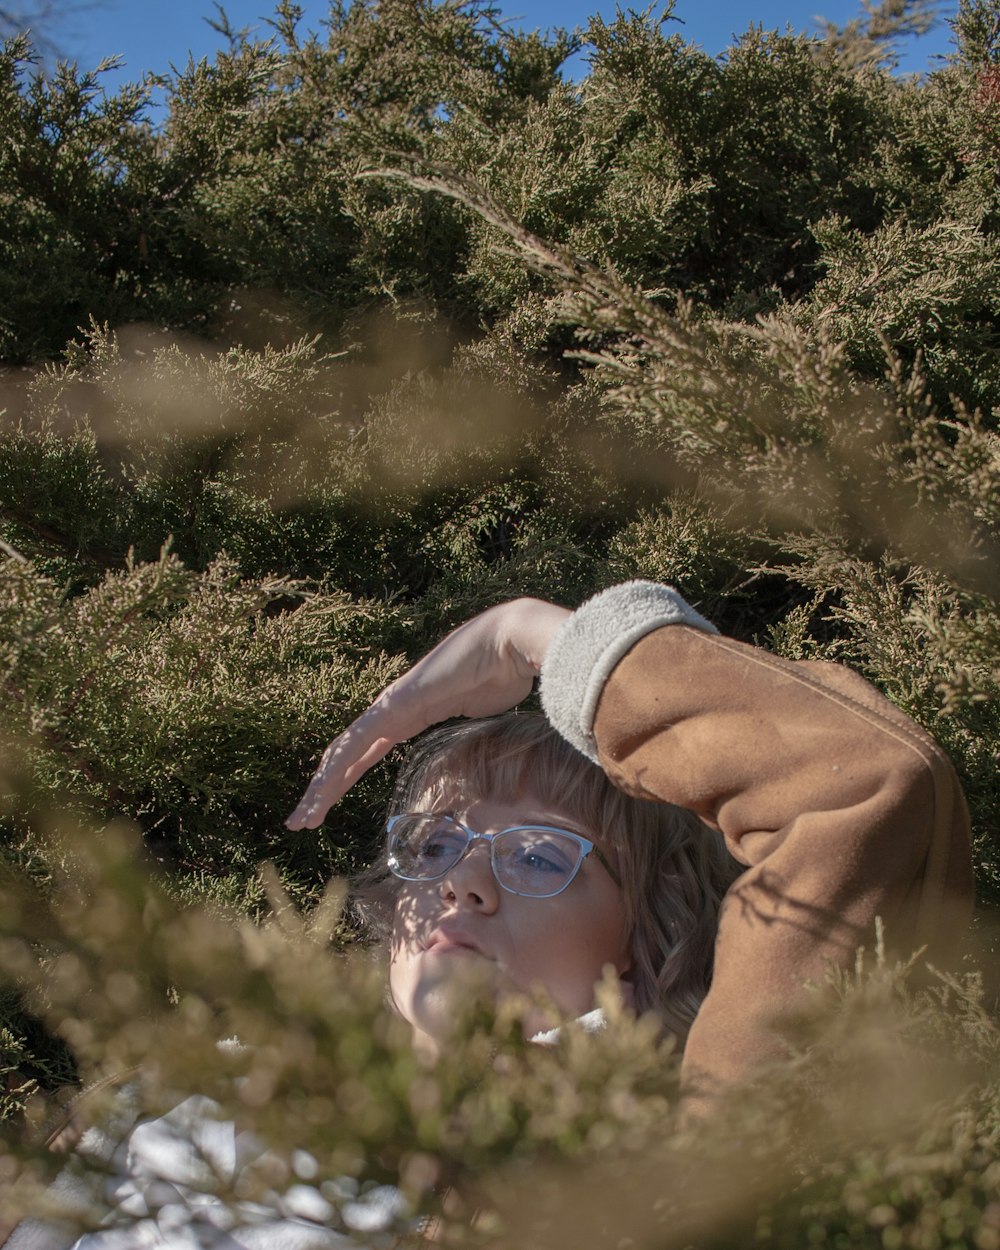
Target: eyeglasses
538,861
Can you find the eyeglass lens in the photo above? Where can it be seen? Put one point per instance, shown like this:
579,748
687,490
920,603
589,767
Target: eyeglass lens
529,860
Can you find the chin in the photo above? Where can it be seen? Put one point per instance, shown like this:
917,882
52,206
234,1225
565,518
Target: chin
450,984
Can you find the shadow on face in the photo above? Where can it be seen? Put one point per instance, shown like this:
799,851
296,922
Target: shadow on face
463,939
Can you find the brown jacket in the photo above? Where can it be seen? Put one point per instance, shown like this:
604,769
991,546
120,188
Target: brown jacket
840,806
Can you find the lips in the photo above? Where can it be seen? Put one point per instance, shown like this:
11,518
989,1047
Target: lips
445,940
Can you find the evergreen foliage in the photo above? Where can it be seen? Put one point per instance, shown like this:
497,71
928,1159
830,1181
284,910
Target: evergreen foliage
375,329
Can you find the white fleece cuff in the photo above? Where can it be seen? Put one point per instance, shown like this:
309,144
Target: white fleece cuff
588,646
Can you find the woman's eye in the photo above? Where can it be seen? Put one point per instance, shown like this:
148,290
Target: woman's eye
441,845
544,858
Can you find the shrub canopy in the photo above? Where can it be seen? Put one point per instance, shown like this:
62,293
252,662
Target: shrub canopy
379,327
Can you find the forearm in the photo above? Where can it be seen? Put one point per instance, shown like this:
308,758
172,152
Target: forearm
763,748
842,809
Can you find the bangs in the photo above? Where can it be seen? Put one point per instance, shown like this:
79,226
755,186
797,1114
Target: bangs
509,757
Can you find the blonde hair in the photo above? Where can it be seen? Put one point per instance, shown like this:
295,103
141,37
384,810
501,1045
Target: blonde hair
673,869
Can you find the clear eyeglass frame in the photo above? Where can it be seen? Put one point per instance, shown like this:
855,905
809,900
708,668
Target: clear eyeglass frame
495,842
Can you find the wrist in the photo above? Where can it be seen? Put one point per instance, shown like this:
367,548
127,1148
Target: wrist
603,630
529,627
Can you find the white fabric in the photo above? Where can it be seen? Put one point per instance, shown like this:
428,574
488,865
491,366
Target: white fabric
592,641
165,1181
591,1022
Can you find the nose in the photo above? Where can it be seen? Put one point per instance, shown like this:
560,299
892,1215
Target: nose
471,883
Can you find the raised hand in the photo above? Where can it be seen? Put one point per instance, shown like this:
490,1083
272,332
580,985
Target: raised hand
484,667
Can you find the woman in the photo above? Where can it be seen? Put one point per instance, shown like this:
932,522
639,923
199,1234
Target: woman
842,810
839,807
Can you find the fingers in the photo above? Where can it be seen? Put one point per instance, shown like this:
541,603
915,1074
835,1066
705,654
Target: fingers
391,719
348,757
344,761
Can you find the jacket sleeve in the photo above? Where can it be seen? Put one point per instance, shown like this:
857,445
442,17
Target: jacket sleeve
841,808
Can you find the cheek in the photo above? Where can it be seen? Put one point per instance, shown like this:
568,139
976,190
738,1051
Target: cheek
565,951
415,904
404,949
401,983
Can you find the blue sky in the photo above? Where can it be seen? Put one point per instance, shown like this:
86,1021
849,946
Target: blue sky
153,34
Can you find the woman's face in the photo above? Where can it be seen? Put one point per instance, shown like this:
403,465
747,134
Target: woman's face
464,934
